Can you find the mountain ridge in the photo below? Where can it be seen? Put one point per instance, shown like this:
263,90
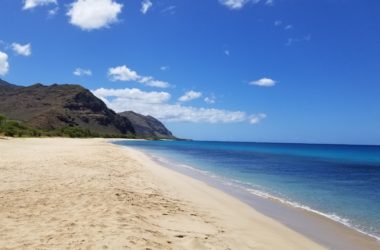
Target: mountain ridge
61,105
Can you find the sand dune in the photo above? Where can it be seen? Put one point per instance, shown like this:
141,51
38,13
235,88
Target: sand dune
89,194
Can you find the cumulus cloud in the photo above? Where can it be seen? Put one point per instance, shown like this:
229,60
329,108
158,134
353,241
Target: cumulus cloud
190,95
4,64
82,72
157,104
150,81
145,6
22,50
238,4
264,82
180,113
30,4
123,73
254,119
94,14
134,94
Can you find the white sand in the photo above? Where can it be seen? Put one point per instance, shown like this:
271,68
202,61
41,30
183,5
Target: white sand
89,194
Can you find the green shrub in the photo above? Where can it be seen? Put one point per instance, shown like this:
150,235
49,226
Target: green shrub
76,132
17,129
2,120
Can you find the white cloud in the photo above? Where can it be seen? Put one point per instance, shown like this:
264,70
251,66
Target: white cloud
53,12
145,6
123,73
264,82
190,95
279,23
170,10
157,105
234,4
82,72
164,68
288,27
254,119
94,14
4,64
22,50
30,4
133,94
269,2
210,99
150,81
180,113
238,4
227,52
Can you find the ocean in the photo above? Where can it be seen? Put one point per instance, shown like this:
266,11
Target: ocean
339,182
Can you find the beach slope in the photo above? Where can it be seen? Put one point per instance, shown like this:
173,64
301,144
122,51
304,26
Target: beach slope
90,194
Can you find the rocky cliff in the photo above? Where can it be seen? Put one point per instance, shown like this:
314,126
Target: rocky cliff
147,125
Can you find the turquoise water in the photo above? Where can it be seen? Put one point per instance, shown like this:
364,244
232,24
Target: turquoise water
341,182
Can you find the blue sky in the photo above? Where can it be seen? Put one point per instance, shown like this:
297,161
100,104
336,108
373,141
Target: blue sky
281,70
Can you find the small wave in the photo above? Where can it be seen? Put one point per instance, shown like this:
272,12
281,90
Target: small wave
333,217
265,195
168,162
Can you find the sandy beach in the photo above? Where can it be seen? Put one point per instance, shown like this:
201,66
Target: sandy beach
90,194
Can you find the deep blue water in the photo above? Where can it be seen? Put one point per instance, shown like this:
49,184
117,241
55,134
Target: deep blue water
341,182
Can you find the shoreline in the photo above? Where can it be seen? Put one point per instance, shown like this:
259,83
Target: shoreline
273,207
89,193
